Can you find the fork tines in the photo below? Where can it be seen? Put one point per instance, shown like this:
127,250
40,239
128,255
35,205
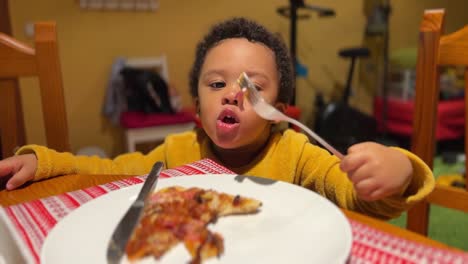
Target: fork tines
252,93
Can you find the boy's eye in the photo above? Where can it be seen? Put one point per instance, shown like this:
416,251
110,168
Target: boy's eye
259,88
218,85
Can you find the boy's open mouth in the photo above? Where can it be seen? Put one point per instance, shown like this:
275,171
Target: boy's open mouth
229,120
228,117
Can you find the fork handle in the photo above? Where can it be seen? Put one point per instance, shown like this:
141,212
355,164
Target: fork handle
316,137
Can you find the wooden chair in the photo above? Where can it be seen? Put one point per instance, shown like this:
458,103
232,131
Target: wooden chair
42,61
435,50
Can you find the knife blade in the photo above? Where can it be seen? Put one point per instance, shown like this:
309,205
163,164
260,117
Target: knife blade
123,231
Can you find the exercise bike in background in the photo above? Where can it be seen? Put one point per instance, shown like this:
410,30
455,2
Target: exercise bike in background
338,122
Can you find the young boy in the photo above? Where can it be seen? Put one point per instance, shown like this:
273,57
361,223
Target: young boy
372,178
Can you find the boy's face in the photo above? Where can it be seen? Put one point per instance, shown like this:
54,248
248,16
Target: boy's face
229,120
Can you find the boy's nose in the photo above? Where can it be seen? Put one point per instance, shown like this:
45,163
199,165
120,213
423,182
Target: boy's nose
234,97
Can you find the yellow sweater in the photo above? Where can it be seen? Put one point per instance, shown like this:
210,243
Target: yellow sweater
287,157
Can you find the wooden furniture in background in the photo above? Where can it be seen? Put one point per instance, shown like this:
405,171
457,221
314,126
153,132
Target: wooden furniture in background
9,88
435,50
20,60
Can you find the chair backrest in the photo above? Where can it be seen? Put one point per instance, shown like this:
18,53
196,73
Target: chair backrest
20,60
435,50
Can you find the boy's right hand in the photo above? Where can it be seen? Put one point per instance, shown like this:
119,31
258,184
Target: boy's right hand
22,168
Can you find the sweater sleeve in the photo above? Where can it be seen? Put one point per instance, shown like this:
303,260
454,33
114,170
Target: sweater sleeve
321,172
52,163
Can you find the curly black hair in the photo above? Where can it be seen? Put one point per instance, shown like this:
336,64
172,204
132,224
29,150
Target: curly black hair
243,28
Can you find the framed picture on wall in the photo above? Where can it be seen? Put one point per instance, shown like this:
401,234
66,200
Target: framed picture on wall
124,5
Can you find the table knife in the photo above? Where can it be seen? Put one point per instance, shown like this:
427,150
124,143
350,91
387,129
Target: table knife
123,231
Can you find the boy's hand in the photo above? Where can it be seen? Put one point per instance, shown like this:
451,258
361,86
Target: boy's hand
377,171
22,168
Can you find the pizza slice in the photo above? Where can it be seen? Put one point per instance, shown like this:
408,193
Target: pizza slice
177,214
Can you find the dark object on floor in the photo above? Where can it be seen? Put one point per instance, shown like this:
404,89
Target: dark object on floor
343,126
450,157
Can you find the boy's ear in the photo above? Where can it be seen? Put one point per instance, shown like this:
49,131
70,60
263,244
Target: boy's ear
281,107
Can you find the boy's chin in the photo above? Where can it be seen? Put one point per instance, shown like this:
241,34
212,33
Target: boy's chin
234,146
226,145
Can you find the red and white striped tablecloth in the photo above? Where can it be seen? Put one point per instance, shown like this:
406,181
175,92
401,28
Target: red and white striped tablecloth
30,223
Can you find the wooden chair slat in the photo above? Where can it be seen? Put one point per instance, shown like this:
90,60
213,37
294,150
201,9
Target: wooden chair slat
435,50
18,59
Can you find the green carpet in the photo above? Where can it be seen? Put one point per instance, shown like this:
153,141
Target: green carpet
446,225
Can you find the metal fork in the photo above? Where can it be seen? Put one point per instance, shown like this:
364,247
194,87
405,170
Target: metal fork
267,111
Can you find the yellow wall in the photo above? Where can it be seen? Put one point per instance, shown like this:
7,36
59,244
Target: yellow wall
89,41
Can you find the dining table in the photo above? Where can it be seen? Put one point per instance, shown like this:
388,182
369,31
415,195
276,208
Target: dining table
32,211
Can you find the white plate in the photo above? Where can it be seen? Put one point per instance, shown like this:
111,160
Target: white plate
294,225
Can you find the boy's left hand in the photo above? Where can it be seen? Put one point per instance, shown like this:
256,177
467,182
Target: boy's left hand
377,171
